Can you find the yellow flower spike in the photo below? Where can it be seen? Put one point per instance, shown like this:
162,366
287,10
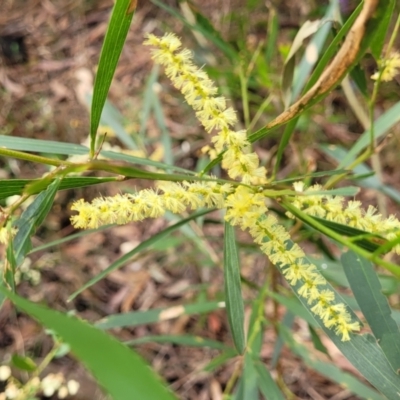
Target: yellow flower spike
201,94
333,208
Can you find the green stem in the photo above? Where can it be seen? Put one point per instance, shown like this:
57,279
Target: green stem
245,99
31,157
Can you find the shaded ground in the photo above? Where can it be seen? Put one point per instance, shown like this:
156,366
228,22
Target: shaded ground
49,53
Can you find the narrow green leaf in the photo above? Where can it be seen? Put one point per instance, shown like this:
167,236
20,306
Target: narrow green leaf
209,33
233,292
272,36
266,384
248,383
119,370
382,125
8,278
332,48
137,318
365,176
182,340
287,321
41,146
257,323
165,136
147,102
23,363
263,132
347,191
315,337
330,370
295,307
361,350
320,31
32,218
384,15
134,172
364,283
111,117
117,31
142,246
63,148
332,229
361,238
69,238
11,187
312,175
287,134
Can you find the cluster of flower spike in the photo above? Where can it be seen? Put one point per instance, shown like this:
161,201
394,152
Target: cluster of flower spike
245,205
211,110
334,208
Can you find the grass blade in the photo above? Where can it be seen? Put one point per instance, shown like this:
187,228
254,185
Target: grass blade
266,384
117,31
233,292
329,370
183,340
382,125
31,218
119,370
364,283
11,187
137,318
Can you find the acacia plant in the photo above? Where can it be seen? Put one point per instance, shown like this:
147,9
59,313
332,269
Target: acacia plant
250,197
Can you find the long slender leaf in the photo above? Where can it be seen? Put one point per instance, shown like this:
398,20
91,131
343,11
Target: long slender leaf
111,117
330,370
184,340
165,136
248,383
69,238
385,16
211,34
31,218
283,144
364,283
117,31
338,153
11,187
361,350
382,125
266,384
147,103
142,246
151,316
119,370
233,292
63,148
332,48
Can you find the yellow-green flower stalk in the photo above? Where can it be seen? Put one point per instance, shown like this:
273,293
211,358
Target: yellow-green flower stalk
211,110
334,208
245,204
